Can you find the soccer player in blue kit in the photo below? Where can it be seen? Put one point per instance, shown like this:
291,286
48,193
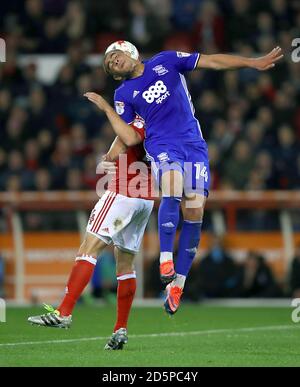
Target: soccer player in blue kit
156,90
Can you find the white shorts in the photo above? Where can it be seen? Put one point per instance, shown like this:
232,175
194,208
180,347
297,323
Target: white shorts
121,220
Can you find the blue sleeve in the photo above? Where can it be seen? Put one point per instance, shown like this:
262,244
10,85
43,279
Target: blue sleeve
183,61
124,108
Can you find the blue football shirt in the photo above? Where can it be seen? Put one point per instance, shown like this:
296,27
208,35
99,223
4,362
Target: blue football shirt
160,96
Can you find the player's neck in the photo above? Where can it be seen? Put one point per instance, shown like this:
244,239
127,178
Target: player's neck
138,70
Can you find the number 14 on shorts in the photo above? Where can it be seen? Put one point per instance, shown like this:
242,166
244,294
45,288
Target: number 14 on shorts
201,171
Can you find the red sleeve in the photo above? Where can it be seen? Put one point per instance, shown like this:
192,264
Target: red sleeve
138,126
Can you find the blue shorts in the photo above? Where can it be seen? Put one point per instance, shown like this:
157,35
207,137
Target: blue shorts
191,159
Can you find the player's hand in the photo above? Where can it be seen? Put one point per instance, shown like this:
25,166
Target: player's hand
268,61
108,166
98,100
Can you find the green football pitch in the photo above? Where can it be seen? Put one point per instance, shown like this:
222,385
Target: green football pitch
196,336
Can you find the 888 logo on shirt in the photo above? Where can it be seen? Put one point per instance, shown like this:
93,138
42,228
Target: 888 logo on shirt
155,92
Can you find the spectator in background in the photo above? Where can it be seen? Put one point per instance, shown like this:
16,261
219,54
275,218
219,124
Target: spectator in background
184,13
294,280
264,164
13,184
208,107
208,29
74,180
144,28
54,38
3,160
217,274
296,184
239,165
258,280
89,177
5,106
221,136
15,131
42,181
242,22
80,145
255,135
16,168
31,154
215,165
32,22
46,147
40,115
75,20
286,154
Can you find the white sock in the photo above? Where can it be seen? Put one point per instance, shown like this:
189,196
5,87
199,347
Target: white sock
179,281
165,256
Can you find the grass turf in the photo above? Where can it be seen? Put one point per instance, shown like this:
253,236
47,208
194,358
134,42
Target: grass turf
203,336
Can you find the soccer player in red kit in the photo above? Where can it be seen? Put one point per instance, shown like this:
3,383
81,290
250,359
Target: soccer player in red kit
119,217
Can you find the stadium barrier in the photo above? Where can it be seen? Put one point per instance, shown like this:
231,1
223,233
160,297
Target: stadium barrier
38,263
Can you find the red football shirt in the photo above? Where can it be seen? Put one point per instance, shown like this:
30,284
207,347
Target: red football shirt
133,180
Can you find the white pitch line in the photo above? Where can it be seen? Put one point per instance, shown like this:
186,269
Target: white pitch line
165,334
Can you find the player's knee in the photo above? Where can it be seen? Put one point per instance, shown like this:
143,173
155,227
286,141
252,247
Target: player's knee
193,207
91,245
194,213
124,262
124,267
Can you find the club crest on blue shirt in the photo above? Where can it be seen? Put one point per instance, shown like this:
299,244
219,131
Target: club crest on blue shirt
163,157
160,70
120,107
182,54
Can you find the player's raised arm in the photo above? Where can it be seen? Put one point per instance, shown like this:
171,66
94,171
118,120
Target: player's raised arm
126,133
108,162
230,62
117,147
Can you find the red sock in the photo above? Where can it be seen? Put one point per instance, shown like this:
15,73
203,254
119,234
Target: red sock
79,278
125,296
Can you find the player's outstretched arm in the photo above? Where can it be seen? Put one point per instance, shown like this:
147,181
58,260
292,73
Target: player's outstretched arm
230,62
126,133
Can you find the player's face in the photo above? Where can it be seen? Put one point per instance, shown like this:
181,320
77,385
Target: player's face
119,64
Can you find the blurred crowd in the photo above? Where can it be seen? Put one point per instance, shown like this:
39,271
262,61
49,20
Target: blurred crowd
51,137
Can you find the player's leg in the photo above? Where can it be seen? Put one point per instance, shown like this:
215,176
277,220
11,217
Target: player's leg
196,187
83,268
127,242
187,248
168,218
81,273
190,235
167,168
126,277
125,294
80,276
